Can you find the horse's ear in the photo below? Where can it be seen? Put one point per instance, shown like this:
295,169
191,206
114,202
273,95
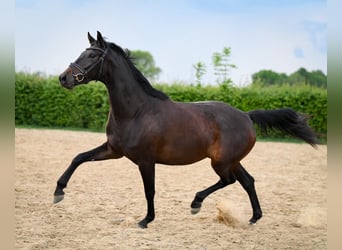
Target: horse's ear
91,39
100,40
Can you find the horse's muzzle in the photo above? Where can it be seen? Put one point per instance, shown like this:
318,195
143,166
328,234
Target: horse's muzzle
65,80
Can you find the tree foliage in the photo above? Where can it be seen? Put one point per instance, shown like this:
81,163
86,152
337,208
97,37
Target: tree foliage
269,78
144,61
221,65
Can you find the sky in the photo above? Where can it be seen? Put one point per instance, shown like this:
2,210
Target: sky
281,35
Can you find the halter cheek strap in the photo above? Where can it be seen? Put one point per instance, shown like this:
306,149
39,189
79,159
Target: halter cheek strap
79,73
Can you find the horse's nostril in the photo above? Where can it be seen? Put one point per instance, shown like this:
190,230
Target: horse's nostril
62,78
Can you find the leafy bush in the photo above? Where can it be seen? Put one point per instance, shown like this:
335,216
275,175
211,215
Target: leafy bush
41,101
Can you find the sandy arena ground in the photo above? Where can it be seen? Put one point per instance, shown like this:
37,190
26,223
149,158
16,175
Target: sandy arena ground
105,200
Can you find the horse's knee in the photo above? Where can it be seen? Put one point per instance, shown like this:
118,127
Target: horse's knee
79,159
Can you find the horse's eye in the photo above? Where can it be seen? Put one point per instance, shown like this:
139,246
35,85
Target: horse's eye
92,55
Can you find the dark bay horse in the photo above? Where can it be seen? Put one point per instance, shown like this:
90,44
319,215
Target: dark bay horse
147,127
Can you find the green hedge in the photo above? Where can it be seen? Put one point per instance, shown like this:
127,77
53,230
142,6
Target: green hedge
41,101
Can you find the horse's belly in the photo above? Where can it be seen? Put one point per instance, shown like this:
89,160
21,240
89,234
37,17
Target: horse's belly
181,155
179,161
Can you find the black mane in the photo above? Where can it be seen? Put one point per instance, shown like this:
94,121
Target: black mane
144,83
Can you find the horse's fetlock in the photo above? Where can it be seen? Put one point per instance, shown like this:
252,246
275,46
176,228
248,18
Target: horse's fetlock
256,216
61,185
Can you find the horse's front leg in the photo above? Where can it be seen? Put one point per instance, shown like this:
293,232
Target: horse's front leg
102,152
147,172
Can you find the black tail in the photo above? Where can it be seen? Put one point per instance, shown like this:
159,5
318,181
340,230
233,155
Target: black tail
285,120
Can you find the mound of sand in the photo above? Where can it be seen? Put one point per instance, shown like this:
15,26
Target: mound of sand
312,216
229,214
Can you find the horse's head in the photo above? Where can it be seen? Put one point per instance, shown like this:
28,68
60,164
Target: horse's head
88,66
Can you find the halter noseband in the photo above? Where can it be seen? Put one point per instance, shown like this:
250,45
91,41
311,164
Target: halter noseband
81,74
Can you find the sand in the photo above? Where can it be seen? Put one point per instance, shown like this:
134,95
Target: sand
104,200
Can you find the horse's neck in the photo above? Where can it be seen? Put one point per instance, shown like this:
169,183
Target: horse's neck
126,97
126,94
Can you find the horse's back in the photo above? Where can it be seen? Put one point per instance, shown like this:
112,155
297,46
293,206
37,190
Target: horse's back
224,115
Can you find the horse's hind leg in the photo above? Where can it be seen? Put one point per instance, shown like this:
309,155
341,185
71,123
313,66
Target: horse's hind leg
226,179
229,173
247,182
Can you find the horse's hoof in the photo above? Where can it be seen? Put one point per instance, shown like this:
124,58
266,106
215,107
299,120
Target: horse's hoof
252,221
255,218
142,225
58,198
195,210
